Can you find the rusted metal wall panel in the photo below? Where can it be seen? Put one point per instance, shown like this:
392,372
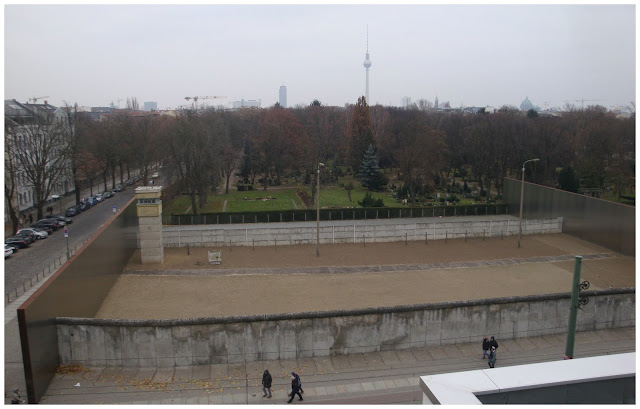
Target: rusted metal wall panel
611,225
76,290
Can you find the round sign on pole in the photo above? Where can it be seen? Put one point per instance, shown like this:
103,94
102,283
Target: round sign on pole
114,209
66,233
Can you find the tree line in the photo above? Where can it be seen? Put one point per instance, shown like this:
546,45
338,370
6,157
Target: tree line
202,150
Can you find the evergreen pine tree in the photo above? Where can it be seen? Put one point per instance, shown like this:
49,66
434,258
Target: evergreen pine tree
369,170
360,132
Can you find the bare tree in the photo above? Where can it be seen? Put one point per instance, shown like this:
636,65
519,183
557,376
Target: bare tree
132,104
40,151
190,147
140,142
10,177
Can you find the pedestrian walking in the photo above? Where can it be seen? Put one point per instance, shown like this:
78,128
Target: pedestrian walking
485,347
295,389
30,218
266,383
16,398
299,381
493,343
492,357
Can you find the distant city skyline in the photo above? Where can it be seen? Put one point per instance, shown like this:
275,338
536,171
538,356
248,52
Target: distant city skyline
468,55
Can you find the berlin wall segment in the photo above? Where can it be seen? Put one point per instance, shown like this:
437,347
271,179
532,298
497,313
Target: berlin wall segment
149,343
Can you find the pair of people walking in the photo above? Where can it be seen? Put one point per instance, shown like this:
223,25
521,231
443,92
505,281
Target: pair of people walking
489,348
296,386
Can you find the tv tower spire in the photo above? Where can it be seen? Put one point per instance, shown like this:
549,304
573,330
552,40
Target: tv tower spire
367,64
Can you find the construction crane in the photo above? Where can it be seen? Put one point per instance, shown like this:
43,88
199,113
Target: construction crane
195,99
35,99
582,101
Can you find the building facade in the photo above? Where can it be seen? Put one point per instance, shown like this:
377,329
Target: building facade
150,106
282,97
247,103
21,122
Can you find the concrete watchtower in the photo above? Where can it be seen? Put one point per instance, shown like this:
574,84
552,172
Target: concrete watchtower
149,210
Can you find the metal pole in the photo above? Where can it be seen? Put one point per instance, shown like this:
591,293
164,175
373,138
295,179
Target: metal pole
318,212
521,203
522,198
573,311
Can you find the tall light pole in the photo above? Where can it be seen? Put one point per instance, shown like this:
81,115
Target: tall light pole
522,198
320,164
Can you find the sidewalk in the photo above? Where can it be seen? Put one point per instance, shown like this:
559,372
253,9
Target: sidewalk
362,378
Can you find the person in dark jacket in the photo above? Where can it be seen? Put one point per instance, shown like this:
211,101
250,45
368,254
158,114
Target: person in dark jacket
266,383
16,398
295,389
485,347
492,357
493,343
299,381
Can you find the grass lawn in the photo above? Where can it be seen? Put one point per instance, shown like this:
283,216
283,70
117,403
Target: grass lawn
235,202
284,200
330,197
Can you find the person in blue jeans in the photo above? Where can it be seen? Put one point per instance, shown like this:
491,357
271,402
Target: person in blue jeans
492,357
485,347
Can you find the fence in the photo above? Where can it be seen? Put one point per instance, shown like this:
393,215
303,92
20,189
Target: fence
340,232
335,214
12,294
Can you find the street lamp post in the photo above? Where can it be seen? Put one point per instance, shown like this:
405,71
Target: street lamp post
522,198
320,164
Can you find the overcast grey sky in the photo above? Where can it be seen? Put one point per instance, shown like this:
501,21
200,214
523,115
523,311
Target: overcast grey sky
475,55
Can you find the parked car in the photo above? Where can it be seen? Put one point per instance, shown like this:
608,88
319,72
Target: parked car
14,247
37,233
87,202
61,223
66,220
119,188
27,236
82,206
19,242
98,197
129,182
52,224
8,250
46,229
72,211
155,175
107,195
92,201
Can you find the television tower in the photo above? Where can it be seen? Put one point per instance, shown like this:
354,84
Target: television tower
367,64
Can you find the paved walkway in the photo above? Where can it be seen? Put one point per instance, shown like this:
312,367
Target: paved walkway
383,377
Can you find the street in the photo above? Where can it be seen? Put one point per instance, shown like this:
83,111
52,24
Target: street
30,263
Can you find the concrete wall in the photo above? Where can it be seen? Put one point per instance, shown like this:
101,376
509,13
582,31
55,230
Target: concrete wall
609,224
138,343
305,233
